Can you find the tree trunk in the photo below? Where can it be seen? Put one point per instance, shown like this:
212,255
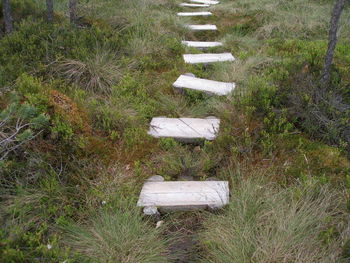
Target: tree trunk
73,11
6,9
49,5
332,41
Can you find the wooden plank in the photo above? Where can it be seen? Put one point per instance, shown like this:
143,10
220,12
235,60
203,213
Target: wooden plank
194,14
193,5
184,129
202,27
205,85
207,58
201,44
184,194
208,2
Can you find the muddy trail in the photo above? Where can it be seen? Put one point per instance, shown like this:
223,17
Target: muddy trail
181,230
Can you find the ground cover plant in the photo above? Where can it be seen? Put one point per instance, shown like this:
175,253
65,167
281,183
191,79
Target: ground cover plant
76,101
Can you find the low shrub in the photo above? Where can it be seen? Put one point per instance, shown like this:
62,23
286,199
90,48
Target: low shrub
291,91
37,44
21,121
28,216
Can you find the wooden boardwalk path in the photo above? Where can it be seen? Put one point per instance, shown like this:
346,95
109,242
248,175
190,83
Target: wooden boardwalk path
179,195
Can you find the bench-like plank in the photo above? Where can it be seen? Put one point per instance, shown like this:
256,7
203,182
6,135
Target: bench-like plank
184,129
202,27
193,5
207,58
205,85
194,14
201,44
184,195
209,2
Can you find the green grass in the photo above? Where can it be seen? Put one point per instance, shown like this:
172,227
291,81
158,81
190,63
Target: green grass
116,236
96,73
94,89
265,222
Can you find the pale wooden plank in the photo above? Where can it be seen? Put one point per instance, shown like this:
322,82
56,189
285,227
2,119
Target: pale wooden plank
184,194
184,129
201,44
202,27
194,14
207,58
193,5
208,2
205,85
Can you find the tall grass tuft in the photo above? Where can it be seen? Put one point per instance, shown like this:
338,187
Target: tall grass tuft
117,236
265,223
96,73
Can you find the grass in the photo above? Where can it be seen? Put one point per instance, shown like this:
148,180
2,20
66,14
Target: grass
116,236
305,20
265,222
98,85
97,73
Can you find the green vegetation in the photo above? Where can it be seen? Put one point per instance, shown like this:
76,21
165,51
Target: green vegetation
75,106
117,236
267,223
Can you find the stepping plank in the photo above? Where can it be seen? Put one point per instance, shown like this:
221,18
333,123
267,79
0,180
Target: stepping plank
194,14
199,44
184,129
184,195
193,5
202,27
209,86
207,58
208,2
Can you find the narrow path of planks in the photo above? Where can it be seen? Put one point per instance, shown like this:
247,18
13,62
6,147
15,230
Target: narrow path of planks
186,129
189,195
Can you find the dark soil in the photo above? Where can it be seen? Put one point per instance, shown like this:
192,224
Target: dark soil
181,229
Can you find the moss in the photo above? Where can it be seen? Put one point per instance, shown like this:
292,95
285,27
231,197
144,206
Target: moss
306,157
66,109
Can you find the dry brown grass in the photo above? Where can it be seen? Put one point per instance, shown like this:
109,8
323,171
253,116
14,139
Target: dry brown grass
96,73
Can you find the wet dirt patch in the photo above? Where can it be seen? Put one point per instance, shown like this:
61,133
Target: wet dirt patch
182,229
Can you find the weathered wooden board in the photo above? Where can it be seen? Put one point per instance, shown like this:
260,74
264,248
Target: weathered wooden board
184,195
193,5
184,129
194,14
209,2
205,85
207,58
201,44
202,27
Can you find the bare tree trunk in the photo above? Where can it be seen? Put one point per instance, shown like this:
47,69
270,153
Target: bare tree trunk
73,11
49,5
332,41
6,9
